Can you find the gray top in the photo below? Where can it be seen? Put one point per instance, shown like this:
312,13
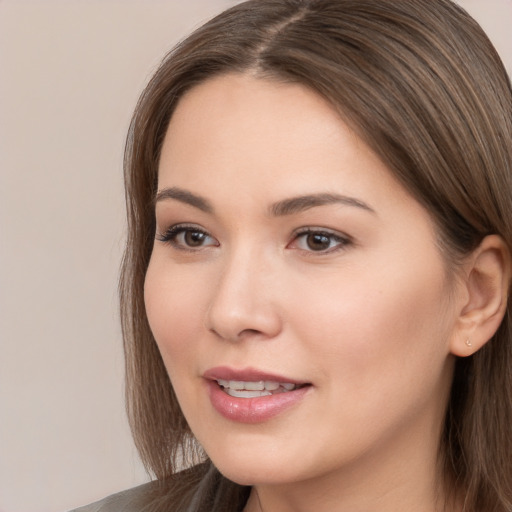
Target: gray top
204,490
131,500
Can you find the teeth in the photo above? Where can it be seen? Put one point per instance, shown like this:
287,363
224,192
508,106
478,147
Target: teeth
247,393
254,386
252,389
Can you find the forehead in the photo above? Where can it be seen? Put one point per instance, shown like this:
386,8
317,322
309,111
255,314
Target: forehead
252,128
238,105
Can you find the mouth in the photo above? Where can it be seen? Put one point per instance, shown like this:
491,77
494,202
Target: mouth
255,389
253,396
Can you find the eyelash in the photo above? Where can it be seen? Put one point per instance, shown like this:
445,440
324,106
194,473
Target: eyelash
171,234
341,242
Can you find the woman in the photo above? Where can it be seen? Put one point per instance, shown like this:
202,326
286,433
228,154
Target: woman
314,291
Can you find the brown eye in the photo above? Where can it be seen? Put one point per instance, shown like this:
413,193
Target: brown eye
194,238
318,241
187,238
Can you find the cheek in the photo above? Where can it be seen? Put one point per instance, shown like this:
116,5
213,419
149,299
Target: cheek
376,328
175,309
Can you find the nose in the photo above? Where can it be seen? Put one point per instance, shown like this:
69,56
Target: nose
244,302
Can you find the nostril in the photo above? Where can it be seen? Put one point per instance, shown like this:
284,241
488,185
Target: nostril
244,334
249,332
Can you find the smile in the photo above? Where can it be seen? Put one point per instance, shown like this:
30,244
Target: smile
253,396
254,389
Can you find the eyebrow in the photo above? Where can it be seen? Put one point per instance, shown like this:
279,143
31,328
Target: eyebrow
281,208
302,203
184,196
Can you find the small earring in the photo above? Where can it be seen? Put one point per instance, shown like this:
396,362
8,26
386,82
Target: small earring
468,343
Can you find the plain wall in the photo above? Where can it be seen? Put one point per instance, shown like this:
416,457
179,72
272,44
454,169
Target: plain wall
70,74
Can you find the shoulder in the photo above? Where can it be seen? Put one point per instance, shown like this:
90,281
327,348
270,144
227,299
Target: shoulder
200,488
131,500
170,494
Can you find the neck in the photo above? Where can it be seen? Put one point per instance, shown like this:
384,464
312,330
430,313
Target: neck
350,496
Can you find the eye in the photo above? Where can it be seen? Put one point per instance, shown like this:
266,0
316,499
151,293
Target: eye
187,237
319,240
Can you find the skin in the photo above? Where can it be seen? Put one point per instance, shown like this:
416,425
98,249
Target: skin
368,320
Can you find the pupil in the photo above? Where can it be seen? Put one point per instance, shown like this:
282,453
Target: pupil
318,242
194,238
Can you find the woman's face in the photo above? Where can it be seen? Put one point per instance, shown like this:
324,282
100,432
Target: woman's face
295,290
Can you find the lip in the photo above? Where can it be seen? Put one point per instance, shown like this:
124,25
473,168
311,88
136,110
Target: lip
251,410
246,374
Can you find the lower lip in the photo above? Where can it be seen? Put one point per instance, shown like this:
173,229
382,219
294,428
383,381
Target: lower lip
253,410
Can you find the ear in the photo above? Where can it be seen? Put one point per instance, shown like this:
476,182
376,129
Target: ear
486,283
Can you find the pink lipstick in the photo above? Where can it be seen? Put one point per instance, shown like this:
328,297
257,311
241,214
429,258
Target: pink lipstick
252,396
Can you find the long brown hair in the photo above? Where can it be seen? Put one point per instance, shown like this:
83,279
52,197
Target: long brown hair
422,85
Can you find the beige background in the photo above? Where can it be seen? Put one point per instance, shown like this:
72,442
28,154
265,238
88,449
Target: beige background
70,73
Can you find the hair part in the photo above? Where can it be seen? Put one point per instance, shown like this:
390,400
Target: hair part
420,83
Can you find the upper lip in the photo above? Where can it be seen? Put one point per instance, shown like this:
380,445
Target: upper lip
246,375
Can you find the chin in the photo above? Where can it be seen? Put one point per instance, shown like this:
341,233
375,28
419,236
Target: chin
248,474
257,468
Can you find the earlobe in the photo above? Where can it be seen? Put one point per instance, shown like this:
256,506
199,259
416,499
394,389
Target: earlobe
487,281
